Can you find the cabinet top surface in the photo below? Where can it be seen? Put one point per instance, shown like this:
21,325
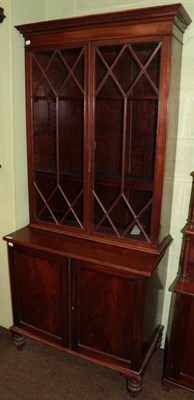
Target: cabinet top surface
122,259
174,13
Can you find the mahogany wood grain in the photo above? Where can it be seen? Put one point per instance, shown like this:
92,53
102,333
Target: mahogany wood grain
40,292
161,13
106,307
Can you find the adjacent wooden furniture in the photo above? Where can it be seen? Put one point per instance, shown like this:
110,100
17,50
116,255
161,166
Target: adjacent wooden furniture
97,96
179,371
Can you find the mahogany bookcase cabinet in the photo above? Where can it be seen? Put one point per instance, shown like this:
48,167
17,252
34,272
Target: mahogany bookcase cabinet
179,368
98,90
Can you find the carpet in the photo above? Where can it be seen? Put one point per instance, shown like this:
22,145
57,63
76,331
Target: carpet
40,372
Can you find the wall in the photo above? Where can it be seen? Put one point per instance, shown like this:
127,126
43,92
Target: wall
13,174
14,211
7,209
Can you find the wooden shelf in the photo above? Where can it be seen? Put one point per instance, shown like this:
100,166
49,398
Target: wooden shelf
52,173
99,179
144,98
52,98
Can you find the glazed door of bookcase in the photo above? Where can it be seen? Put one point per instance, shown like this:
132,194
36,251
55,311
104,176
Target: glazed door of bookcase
126,96
107,314
57,135
39,282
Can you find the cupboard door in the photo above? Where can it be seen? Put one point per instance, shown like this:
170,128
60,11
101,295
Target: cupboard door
58,109
180,367
107,316
187,370
126,97
40,293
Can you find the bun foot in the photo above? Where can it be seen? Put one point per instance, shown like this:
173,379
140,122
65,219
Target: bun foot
133,387
18,340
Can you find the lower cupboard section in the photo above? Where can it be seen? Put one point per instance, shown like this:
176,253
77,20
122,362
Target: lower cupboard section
82,308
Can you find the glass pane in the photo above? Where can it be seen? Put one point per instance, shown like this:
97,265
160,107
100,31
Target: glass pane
45,186
101,71
44,130
143,88
126,70
108,137
43,58
124,216
57,72
79,71
140,202
45,183
71,56
148,53
40,86
141,139
70,122
144,51
153,69
71,90
109,53
110,90
72,188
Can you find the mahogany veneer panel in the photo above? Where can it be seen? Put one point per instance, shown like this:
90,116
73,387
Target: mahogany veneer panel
40,293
